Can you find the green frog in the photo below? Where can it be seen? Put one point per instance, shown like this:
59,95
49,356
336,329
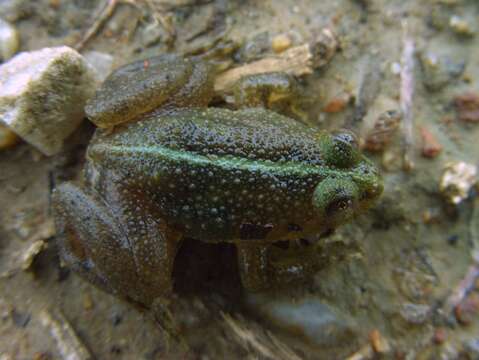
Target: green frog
163,166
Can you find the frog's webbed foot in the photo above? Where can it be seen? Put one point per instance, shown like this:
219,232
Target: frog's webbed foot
262,267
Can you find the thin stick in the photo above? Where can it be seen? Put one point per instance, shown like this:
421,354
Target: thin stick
407,95
106,13
274,350
295,61
68,343
161,18
463,288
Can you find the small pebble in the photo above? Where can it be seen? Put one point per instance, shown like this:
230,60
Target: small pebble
116,319
415,313
431,216
318,322
440,336
9,40
395,68
280,43
440,69
42,356
467,107
453,239
430,145
378,342
7,137
382,131
471,348
21,319
461,26
338,103
54,3
457,180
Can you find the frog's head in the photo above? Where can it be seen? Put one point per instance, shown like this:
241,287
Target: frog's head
352,183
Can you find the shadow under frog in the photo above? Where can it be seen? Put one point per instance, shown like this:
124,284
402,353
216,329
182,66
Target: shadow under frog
163,166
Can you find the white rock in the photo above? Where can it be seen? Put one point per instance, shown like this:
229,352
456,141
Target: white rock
457,180
9,40
42,95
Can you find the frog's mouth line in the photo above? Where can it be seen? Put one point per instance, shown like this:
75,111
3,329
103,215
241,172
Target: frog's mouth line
228,162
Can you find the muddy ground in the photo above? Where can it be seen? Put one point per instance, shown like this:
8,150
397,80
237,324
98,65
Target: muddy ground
388,278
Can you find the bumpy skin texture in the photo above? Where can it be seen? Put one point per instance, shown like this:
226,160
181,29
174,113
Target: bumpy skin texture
250,177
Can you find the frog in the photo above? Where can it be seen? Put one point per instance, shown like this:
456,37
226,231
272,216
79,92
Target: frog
163,166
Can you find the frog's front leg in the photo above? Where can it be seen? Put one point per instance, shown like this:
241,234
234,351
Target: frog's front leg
260,269
253,266
130,257
145,86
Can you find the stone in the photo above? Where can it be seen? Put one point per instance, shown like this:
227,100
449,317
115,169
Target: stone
415,313
457,180
317,322
9,40
281,42
43,93
462,26
439,69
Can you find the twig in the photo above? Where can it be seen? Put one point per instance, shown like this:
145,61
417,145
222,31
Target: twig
295,61
364,353
464,287
369,87
105,14
158,15
406,96
275,351
69,345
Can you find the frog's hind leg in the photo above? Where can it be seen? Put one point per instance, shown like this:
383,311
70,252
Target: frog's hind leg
117,247
126,252
152,242
89,240
253,263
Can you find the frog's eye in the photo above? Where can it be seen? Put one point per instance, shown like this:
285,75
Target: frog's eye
336,199
346,138
341,149
338,205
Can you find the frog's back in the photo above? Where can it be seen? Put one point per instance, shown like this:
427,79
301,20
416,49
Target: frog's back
219,174
255,134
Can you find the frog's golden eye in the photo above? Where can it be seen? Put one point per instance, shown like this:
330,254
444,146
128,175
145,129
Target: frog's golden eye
339,205
335,199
